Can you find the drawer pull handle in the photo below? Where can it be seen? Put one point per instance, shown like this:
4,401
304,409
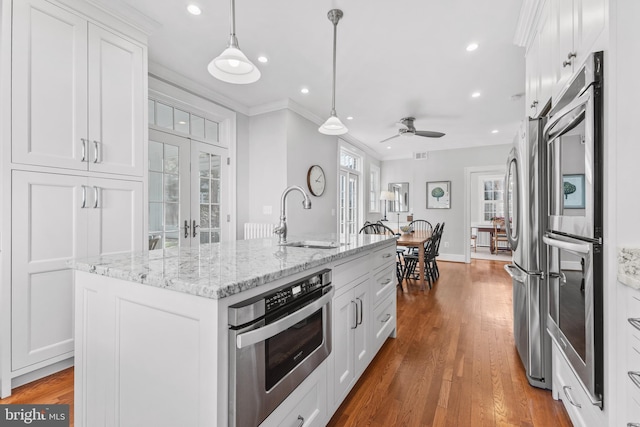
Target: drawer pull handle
635,322
84,150
635,377
566,393
301,419
633,424
96,151
386,256
386,282
355,315
386,319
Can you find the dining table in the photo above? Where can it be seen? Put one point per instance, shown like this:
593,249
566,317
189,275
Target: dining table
414,239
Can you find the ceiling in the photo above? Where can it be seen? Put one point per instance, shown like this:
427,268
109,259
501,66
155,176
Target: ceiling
394,59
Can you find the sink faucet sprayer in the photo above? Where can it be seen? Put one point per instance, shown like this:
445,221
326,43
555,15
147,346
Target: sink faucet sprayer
281,229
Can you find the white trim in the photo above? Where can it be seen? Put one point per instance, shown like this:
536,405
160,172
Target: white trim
177,96
127,14
170,77
466,232
451,258
527,22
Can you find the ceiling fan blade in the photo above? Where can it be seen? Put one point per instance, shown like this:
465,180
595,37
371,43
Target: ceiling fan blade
385,140
429,134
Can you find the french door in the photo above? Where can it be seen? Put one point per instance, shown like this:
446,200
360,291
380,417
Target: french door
188,183
348,203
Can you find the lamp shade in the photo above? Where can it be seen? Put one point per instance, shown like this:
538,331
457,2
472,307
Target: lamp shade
387,195
333,126
232,66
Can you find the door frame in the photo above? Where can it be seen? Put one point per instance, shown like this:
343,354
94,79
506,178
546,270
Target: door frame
468,171
226,118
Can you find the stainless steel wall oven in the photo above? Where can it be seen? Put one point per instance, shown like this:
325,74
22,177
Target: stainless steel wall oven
275,341
574,234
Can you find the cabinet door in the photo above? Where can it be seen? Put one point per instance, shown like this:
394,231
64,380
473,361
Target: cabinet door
362,335
49,228
590,17
344,323
49,84
532,78
116,103
115,216
563,46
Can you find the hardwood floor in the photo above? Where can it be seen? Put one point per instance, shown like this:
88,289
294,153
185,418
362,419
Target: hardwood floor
454,362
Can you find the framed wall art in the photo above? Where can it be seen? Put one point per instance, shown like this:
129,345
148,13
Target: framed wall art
439,195
573,186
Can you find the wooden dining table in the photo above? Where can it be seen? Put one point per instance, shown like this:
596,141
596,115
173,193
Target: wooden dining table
415,239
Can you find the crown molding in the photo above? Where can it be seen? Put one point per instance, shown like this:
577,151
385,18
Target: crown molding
174,78
527,21
128,14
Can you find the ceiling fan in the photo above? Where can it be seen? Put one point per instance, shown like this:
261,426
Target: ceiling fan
410,130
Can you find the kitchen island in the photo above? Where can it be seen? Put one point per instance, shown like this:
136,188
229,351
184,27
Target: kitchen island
152,336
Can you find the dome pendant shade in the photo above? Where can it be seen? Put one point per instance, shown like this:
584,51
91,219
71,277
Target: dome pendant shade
232,66
333,125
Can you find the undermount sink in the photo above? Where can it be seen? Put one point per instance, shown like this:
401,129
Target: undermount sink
314,244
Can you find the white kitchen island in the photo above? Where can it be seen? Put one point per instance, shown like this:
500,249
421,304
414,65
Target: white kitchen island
151,329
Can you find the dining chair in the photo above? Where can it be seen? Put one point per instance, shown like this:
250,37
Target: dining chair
380,228
421,225
500,240
437,249
474,239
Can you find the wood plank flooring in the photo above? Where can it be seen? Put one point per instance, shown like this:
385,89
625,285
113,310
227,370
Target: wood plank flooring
454,362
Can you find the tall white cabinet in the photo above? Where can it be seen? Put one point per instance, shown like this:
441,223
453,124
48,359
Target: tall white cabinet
76,169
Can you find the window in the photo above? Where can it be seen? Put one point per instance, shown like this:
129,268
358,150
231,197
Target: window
492,204
349,192
168,117
374,189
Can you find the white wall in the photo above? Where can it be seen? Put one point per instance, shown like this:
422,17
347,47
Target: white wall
306,147
444,165
243,171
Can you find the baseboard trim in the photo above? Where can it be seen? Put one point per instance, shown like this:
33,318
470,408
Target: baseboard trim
41,373
451,258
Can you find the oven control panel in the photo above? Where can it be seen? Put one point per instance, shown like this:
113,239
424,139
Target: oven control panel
293,291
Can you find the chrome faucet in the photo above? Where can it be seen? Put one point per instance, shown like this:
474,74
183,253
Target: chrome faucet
281,229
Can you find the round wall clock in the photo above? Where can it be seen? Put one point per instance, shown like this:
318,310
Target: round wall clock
316,180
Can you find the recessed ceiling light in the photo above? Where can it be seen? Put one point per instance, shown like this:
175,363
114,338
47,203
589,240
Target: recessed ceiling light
472,47
182,122
389,148
304,90
263,59
194,10
495,131
349,118
475,94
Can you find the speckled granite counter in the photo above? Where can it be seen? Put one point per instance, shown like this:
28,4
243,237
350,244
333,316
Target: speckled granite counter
629,267
224,269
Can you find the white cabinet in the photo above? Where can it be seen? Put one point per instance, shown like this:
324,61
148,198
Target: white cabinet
538,65
578,24
631,362
351,325
78,93
57,218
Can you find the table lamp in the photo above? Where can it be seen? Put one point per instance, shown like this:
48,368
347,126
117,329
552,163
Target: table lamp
386,196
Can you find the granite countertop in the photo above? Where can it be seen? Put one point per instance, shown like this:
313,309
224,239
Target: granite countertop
219,270
629,267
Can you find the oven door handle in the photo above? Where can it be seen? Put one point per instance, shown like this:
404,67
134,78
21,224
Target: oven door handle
581,248
577,104
265,332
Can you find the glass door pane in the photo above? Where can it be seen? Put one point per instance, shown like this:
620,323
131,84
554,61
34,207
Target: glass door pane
207,192
168,189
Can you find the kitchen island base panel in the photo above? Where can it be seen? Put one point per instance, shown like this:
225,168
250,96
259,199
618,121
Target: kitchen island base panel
145,356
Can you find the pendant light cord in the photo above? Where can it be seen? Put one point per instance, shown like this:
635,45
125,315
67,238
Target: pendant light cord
333,93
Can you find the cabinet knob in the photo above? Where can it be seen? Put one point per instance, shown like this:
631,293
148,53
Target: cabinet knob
534,104
569,61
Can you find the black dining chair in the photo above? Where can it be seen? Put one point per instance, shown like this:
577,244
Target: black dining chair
380,228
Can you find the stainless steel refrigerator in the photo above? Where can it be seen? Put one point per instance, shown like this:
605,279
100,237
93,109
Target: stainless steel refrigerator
525,218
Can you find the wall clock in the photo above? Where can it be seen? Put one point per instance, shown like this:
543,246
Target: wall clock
316,180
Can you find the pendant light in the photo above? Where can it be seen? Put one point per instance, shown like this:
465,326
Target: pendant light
232,66
333,125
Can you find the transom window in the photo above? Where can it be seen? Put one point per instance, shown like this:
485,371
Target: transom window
169,117
492,198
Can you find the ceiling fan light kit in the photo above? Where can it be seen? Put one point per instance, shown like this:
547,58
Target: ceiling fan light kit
333,125
233,66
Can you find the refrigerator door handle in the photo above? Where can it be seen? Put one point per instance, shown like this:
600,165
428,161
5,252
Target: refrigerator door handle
581,248
512,235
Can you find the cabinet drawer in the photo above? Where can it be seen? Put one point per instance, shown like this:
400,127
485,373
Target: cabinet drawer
349,271
384,321
633,409
384,283
381,258
306,405
575,399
